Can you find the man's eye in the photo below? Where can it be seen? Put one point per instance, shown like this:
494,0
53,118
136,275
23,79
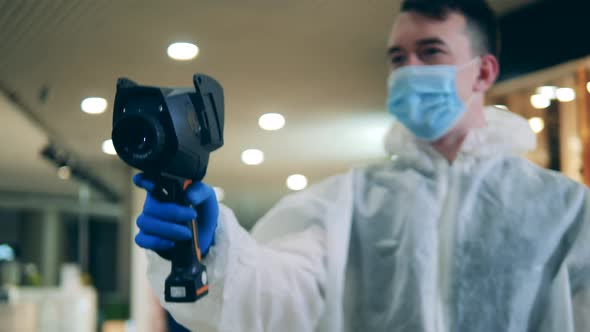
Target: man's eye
432,51
398,59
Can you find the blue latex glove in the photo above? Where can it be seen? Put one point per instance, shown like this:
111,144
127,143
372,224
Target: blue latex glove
163,224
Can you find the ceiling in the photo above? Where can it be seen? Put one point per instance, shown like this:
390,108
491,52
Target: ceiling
318,62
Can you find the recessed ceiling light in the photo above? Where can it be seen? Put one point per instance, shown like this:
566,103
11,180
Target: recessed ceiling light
565,94
548,91
540,101
252,157
183,51
271,121
109,148
504,107
296,182
537,124
94,105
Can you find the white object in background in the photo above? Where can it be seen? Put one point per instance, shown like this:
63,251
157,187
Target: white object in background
17,317
130,326
59,309
71,307
71,278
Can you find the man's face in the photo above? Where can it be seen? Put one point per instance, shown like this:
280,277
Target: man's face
417,40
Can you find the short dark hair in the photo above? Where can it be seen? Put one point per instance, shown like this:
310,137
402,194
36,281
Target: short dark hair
481,20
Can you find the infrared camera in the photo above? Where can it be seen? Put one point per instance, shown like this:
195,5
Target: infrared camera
168,133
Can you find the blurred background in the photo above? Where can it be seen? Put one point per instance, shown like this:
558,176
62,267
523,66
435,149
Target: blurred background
305,90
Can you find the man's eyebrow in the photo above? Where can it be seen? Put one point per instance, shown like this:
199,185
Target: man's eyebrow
394,49
431,41
421,42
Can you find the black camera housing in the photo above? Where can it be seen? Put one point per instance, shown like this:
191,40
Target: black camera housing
169,131
168,134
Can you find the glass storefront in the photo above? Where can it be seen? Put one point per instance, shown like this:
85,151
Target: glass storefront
556,102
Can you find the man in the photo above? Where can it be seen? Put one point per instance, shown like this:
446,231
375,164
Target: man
456,233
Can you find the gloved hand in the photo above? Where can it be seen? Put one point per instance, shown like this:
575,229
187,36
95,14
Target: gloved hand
163,224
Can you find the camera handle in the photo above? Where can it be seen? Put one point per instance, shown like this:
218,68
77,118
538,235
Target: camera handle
187,281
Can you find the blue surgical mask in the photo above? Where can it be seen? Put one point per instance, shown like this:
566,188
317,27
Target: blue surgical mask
425,100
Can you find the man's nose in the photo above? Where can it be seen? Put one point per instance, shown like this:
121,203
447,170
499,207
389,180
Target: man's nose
413,60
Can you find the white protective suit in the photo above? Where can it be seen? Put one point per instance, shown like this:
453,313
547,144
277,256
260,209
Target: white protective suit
490,243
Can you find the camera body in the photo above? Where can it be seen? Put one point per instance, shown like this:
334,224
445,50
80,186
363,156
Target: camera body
169,131
168,134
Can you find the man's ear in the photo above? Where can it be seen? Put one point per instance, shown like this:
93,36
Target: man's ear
488,73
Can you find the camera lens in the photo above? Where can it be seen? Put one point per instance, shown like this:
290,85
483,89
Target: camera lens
140,138
137,137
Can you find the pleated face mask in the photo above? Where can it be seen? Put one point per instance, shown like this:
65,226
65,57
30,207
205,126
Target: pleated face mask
425,100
